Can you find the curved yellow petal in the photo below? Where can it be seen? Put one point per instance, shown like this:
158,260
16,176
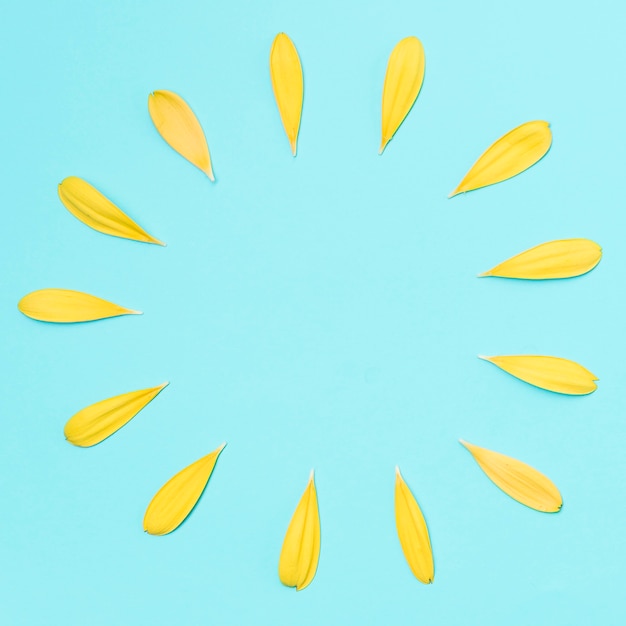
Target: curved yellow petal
564,258
403,81
301,547
176,499
177,124
510,155
547,372
65,306
518,480
288,85
98,421
88,205
413,533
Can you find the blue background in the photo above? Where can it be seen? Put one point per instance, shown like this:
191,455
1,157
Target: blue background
317,312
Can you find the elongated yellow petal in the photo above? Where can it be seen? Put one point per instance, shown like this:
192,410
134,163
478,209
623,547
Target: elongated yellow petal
548,372
288,85
510,155
555,259
413,533
403,81
180,128
176,499
88,205
301,548
65,306
98,421
518,480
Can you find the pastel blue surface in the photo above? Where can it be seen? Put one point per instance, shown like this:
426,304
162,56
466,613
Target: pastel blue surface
317,312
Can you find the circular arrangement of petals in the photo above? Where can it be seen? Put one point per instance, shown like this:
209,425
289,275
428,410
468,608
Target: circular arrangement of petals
510,155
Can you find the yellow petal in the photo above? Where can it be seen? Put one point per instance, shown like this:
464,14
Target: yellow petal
403,81
64,305
518,480
548,372
301,548
98,421
413,533
555,259
92,208
175,500
511,154
180,128
288,85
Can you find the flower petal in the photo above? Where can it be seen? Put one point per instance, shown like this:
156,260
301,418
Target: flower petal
547,372
288,85
301,547
413,533
518,480
508,156
403,81
177,124
98,421
88,205
176,499
564,258
66,306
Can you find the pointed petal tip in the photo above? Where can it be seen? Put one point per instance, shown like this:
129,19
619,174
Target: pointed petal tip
483,357
294,146
484,274
133,312
456,192
383,145
312,475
